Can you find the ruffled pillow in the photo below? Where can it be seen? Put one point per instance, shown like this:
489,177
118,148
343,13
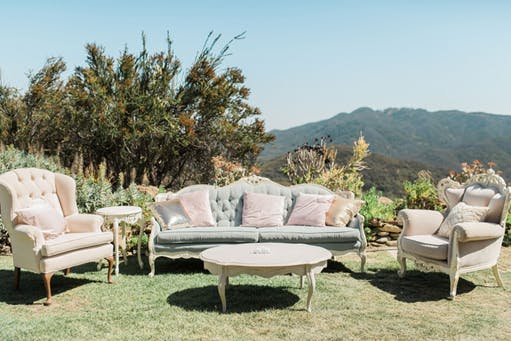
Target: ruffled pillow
310,210
461,213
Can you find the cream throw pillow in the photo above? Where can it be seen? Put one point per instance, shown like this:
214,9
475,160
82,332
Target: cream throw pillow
42,215
342,211
461,213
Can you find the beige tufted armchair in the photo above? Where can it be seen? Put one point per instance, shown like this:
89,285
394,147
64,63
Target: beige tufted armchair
471,246
83,241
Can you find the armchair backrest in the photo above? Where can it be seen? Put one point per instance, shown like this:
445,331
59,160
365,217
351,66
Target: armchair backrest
20,187
486,190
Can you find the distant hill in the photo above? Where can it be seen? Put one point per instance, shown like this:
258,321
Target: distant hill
440,139
384,173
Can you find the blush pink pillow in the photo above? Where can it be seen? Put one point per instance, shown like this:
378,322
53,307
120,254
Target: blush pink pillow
310,210
262,210
42,215
196,204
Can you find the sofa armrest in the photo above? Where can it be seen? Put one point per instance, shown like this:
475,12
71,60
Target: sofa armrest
27,237
80,223
467,232
417,222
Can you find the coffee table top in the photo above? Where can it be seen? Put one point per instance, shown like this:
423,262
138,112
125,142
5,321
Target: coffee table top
265,255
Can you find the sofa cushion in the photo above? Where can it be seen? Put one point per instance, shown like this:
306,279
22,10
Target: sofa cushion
310,210
209,235
308,234
75,241
429,246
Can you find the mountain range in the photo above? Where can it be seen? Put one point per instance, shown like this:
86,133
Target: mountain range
407,138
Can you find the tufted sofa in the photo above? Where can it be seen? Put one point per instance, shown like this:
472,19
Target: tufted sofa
227,206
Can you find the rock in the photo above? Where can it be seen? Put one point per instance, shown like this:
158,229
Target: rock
395,235
376,244
384,201
151,190
383,234
382,240
391,243
390,228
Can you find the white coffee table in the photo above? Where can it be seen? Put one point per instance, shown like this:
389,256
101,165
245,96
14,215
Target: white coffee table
266,260
125,215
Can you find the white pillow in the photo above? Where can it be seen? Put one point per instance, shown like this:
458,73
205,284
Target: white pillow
262,210
42,215
461,213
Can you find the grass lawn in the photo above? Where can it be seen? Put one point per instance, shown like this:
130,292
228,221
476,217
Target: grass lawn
181,302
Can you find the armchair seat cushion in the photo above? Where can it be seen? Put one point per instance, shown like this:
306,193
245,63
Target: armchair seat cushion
429,246
74,241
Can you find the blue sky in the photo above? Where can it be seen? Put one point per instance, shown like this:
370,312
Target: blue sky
303,60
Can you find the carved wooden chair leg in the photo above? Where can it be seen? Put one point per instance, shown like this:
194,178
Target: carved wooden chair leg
402,263
17,274
110,267
67,271
496,273
47,286
454,277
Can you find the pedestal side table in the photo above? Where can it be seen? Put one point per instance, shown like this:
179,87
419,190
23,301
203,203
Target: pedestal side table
125,215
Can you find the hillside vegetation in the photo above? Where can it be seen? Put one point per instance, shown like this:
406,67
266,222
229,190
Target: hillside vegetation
385,173
441,139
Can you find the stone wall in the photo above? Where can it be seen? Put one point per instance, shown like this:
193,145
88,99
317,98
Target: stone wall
383,233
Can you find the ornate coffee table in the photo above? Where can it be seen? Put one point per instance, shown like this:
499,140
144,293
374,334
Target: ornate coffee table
266,260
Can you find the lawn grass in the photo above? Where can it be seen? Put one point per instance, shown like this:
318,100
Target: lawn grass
181,302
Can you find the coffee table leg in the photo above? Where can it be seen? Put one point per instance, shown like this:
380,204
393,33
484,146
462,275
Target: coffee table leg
222,282
123,246
301,282
312,287
116,245
141,224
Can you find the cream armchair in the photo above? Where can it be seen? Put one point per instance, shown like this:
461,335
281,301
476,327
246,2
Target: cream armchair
83,241
471,246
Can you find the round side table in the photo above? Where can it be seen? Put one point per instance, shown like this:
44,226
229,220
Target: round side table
124,215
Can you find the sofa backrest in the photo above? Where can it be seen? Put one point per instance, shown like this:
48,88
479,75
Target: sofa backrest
227,202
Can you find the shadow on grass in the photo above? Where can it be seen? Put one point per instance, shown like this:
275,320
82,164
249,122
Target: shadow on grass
416,286
32,286
335,266
240,298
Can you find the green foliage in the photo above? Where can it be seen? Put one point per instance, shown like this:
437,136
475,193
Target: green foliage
373,208
140,112
421,193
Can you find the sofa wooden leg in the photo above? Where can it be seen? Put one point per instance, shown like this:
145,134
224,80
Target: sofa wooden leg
363,259
67,271
151,265
110,267
17,274
47,285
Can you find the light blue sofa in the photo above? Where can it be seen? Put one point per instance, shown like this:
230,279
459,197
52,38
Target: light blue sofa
227,207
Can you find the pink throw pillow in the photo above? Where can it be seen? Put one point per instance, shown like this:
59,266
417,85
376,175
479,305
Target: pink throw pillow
42,215
262,210
196,204
310,210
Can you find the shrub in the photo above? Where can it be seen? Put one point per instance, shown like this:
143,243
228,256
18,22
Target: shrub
373,208
421,193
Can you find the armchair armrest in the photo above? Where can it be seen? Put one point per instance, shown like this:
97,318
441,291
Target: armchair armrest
417,222
80,223
467,232
27,237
